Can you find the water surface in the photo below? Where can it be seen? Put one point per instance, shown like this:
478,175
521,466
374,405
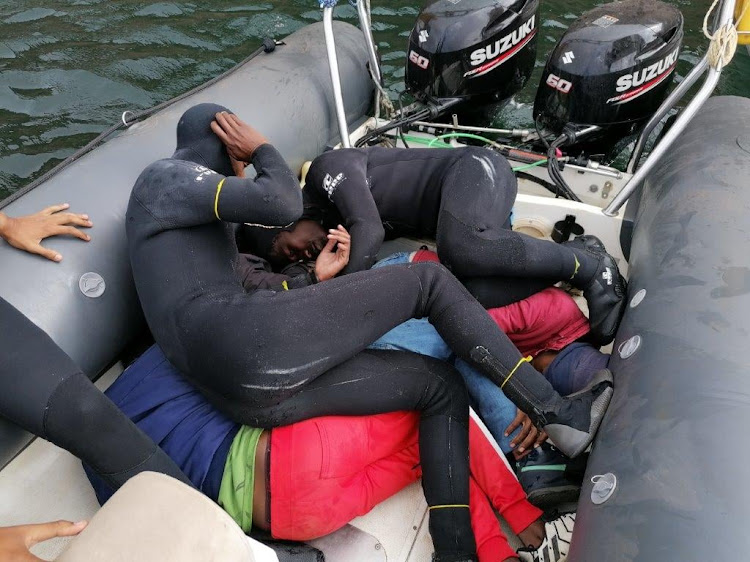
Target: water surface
68,69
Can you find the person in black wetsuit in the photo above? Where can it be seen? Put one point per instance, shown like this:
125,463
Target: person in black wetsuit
462,198
43,391
270,358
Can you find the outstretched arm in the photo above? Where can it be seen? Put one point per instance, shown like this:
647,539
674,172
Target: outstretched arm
26,233
15,542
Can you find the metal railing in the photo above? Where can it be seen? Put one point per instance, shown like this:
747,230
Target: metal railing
685,116
333,65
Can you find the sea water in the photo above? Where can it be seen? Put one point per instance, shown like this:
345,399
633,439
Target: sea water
68,69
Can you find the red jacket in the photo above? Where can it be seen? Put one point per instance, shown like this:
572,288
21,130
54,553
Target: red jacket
549,319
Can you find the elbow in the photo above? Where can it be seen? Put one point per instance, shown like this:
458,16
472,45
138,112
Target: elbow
376,233
290,206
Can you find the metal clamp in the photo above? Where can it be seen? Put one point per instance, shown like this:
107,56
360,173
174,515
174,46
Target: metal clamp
124,117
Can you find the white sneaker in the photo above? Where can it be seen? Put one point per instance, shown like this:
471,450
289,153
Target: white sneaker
556,543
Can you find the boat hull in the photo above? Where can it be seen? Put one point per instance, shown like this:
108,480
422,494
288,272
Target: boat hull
675,433
286,94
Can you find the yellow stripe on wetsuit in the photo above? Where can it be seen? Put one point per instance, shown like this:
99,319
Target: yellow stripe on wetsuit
513,372
216,199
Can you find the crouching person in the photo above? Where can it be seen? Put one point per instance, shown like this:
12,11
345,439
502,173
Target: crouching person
310,478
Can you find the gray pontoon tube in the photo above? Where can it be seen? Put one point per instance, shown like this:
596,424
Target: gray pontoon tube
676,433
286,94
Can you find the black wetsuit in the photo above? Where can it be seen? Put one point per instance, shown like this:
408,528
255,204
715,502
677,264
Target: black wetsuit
461,197
44,392
272,358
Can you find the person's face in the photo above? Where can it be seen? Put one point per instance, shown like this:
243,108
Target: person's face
304,242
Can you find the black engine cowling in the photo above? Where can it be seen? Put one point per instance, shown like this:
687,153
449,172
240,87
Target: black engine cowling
478,51
612,68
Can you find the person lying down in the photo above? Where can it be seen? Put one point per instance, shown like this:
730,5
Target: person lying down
548,326
306,480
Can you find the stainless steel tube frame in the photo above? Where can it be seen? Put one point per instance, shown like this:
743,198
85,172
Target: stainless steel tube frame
687,114
366,24
333,65
669,103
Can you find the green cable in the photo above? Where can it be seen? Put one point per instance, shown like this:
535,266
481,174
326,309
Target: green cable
529,166
422,140
438,141
461,135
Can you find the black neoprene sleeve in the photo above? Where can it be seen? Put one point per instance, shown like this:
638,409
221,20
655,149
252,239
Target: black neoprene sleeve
181,194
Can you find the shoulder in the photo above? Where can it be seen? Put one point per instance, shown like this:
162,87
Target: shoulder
171,168
167,175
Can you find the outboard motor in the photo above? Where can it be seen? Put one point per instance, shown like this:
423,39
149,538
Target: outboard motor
612,68
474,52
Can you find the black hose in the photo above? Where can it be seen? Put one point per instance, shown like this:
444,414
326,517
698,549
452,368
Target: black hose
394,124
551,187
553,166
401,111
268,46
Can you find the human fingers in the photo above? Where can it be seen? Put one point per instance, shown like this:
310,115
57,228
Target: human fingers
515,423
218,128
34,534
236,122
238,167
70,231
329,245
52,209
73,218
40,250
541,438
523,433
343,250
343,231
528,442
338,236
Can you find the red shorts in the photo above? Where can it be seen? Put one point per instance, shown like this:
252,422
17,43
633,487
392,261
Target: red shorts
327,471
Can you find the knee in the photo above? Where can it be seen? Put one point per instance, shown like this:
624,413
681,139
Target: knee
449,395
430,273
77,410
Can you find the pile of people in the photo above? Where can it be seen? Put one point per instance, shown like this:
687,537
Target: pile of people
298,382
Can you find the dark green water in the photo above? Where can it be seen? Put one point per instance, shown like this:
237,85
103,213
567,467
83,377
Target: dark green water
68,69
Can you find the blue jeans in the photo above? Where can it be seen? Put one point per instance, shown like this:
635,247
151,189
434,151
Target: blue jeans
419,336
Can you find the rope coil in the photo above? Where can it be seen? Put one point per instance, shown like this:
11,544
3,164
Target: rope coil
723,44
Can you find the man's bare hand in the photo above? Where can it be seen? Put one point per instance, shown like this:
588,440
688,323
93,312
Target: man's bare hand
15,542
528,437
26,233
240,138
330,262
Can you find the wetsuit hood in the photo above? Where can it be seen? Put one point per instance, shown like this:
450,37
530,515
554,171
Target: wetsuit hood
259,240
196,142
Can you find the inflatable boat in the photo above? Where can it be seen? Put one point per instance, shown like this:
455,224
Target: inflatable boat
665,476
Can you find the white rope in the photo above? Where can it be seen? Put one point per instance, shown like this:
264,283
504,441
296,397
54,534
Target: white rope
723,44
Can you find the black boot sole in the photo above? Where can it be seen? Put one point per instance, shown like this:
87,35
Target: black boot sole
547,498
